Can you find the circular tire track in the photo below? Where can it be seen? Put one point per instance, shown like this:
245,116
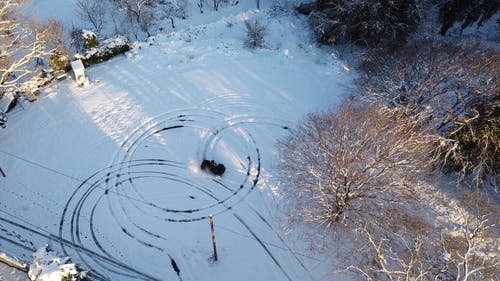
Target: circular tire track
123,193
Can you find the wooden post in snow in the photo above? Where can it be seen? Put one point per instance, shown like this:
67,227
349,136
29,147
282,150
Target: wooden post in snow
2,173
213,236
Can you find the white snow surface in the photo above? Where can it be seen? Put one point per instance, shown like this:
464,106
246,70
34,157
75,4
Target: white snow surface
109,174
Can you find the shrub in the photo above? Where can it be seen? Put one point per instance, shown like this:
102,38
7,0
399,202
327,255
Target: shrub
105,50
364,22
59,62
89,39
255,34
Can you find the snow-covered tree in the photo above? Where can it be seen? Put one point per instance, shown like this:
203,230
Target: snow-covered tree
353,165
466,250
459,84
472,248
364,22
397,258
21,47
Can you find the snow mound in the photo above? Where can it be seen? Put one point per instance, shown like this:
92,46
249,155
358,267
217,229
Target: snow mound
47,266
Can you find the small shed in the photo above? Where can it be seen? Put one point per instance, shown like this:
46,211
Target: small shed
79,73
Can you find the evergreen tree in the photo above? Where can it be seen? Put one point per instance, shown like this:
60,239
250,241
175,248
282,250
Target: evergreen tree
467,12
363,22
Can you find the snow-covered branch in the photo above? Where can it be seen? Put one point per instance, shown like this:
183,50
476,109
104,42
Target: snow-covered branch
22,47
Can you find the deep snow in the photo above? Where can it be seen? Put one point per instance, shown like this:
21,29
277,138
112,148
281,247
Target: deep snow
109,174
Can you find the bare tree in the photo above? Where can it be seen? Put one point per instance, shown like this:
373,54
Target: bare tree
431,74
146,20
472,254
400,258
21,46
140,15
55,41
353,165
93,12
459,84
468,251
472,249
135,7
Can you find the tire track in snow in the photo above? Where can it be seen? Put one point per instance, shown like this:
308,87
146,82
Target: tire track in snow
119,186
140,275
263,246
292,252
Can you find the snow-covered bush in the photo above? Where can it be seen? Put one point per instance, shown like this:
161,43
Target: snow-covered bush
48,266
255,34
466,12
105,50
59,62
364,22
89,39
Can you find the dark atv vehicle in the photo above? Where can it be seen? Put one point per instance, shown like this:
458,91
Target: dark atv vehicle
214,168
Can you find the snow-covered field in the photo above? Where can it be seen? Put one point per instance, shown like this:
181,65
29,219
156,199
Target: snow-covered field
11,274
110,174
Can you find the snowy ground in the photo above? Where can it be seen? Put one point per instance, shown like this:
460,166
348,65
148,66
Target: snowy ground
109,174
11,274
